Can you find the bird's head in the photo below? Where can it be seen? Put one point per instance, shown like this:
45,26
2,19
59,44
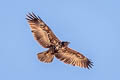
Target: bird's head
65,43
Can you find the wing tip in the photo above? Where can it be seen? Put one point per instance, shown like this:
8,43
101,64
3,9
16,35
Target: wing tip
89,64
32,17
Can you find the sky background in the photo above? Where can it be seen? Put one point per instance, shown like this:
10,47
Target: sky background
92,27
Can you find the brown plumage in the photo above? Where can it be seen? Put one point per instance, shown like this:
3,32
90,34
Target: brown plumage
46,56
42,33
45,37
69,56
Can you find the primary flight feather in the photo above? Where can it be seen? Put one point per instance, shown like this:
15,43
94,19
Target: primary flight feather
45,37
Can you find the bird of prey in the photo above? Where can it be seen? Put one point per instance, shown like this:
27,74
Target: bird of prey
56,48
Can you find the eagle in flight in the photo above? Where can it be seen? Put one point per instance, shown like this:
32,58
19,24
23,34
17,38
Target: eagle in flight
45,37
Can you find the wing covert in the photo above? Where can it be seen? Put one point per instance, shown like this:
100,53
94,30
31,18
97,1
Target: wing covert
74,58
42,33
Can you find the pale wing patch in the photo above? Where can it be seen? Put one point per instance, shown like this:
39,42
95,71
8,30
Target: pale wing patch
74,58
41,36
37,27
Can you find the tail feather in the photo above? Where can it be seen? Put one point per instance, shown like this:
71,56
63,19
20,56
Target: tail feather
46,56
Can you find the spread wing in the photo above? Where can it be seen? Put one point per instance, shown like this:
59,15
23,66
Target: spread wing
42,33
69,56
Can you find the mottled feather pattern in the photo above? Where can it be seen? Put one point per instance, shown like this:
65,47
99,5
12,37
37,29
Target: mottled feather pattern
45,37
46,56
42,33
36,25
69,56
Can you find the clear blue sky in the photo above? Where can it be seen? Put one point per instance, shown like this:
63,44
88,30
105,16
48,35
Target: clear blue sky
92,27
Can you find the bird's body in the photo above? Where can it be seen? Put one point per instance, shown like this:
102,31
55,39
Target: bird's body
59,49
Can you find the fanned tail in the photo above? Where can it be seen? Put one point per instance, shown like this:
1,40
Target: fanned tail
46,56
